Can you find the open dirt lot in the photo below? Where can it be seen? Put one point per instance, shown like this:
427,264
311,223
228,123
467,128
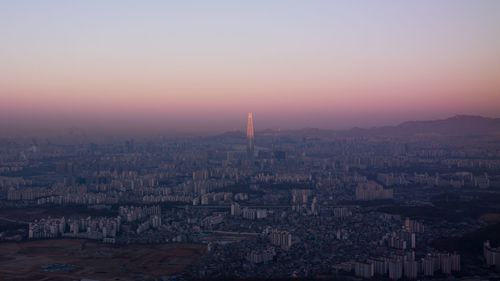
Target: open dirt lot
26,260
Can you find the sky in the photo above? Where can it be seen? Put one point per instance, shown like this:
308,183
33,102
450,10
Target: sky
188,66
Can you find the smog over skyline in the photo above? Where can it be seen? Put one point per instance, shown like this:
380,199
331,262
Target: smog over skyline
189,66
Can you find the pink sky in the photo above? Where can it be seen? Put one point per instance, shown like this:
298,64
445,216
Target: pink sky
294,64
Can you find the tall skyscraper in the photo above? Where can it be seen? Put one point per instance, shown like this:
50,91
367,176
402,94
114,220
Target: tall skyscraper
250,135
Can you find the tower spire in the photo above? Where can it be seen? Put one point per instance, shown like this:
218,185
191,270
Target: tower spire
250,135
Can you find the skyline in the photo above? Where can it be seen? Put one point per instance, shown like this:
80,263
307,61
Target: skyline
193,67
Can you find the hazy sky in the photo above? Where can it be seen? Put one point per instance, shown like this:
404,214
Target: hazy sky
193,65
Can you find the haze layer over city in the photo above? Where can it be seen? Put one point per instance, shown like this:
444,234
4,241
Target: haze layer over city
250,140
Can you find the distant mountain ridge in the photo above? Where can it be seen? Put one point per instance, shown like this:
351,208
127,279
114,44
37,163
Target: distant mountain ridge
459,125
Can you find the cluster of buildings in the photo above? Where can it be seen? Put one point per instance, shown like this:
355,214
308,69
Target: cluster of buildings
413,226
142,218
277,206
213,198
405,266
491,255
87,228
406,237
373,191
212,220
401,263
247,212
457,179
134,213
280,238
262,255
31,193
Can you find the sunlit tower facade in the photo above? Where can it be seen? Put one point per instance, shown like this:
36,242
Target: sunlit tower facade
250,135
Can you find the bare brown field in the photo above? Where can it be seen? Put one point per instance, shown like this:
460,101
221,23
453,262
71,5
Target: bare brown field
491,217
25,261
